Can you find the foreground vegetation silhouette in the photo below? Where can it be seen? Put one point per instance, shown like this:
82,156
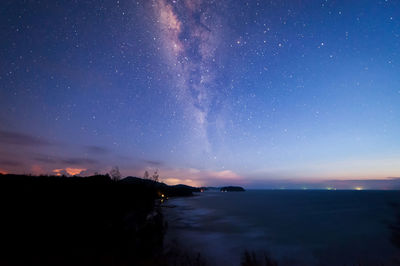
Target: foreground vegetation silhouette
96,220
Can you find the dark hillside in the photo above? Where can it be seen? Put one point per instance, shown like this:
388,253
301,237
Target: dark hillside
50,220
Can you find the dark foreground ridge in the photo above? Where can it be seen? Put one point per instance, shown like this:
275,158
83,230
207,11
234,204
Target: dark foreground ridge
51,220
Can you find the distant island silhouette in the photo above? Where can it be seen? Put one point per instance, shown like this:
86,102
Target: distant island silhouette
223,189
232,189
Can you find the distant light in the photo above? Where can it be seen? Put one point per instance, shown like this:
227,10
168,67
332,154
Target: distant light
330,188
358,188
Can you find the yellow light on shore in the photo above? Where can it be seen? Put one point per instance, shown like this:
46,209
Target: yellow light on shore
358,188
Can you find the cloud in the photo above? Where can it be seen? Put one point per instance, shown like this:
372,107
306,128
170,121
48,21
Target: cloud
93,171
78,161
68,171
153,163
75,171
226,174
45,159
60,172
16,138
10,163
177,181
197,177
93,149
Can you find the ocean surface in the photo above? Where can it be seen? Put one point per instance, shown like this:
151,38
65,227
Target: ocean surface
311,227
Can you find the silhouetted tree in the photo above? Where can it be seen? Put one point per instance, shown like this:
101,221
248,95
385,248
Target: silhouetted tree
155,176
146,175
115,174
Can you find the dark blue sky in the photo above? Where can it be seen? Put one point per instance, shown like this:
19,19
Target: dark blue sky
208,92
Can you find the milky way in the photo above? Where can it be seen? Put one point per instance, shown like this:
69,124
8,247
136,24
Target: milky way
191,32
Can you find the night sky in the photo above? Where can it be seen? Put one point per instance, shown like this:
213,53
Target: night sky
207,92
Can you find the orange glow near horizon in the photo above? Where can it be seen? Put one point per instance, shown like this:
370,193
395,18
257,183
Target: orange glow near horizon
70,171
58,172
37,169
3,172
177,181
74,171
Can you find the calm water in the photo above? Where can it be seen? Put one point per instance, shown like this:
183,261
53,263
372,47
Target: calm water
293,227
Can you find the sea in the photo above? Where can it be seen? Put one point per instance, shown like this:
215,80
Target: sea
292,227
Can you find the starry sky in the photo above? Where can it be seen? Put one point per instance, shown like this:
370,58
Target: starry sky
207,92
